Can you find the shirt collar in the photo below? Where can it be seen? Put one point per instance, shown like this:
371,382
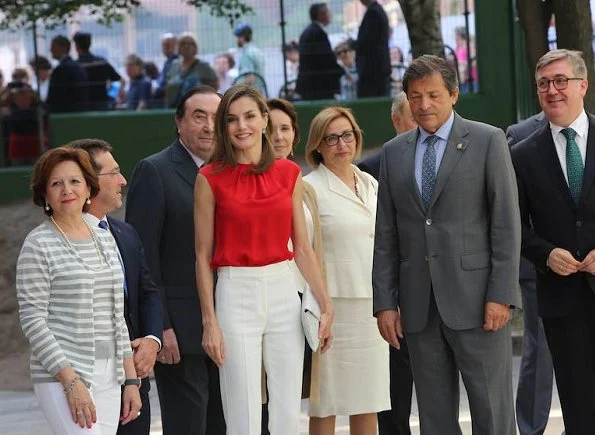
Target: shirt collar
443,132
580,125
93,220
199,162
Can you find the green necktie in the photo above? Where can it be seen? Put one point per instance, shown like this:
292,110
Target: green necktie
574,164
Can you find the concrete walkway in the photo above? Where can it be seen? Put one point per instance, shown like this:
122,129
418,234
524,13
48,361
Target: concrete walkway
20,415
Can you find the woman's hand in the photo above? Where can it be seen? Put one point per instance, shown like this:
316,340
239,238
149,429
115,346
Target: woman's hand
81,404
131,403
324,331
212,342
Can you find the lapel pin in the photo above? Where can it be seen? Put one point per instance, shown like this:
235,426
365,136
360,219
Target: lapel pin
460,146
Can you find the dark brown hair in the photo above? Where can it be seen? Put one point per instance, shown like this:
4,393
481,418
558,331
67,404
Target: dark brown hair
92,147
289,109
46,164
224,151
426,65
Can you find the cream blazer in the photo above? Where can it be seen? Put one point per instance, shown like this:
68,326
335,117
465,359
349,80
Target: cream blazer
347,224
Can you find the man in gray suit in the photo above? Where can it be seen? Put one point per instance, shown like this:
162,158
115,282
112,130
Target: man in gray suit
446,255
160,206
534,391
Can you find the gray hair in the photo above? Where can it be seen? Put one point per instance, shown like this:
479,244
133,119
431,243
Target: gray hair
427,65
398,103
573,57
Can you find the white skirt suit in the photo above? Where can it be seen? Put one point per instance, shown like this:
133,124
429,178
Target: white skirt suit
354,373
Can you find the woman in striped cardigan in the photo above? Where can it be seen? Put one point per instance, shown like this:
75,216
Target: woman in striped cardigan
71,306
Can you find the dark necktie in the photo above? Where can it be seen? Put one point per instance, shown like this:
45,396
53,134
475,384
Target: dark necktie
428,170
103,224
574,164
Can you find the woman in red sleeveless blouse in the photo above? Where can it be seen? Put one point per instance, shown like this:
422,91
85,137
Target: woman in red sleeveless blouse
247,206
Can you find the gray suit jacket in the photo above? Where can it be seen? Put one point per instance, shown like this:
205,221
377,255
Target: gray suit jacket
465,247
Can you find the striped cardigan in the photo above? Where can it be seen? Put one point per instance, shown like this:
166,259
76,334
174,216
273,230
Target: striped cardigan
55,296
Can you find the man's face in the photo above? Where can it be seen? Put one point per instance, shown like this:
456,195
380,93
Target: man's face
168,46
197,126
404,121
111,182
561,106
430,102
325,16
56,50
240,40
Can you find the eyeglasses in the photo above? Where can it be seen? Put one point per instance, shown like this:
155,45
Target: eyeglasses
333,139
560,83
113,173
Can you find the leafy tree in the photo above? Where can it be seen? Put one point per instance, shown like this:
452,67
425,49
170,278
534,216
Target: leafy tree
423,23
18,14
573,31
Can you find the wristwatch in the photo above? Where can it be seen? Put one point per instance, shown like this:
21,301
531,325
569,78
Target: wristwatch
133,381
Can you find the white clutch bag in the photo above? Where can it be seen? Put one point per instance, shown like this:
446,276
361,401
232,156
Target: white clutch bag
310,318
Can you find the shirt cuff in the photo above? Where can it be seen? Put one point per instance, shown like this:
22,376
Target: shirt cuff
156,339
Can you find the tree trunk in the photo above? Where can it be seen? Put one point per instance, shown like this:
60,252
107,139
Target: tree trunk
423,23
535,16
574,30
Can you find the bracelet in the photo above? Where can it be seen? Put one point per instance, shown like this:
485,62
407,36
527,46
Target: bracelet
68,389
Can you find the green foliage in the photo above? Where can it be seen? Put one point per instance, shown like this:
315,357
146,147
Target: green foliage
19,14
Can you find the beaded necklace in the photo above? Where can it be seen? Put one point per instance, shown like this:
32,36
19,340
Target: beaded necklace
356,191
100,267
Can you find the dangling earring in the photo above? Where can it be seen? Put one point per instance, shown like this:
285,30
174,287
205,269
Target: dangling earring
88,201
47,207
264,130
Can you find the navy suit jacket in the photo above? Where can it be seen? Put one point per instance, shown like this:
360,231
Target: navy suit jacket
143,310
371,164
372,53
550,218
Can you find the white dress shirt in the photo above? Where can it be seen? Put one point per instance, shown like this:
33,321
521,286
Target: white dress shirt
581,126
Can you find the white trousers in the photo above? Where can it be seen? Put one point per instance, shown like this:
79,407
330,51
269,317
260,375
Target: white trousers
258,311
105,395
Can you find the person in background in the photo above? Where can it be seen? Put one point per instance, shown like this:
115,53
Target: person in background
395,421
152,73
319,72
251,61
159,206
71,305
142,303
292,60
372,53
256,202
402,120
224,66
41,67
20,75
169,46
465,61
20,127
187,72
138,95
68,90
354,372
346,56
100,73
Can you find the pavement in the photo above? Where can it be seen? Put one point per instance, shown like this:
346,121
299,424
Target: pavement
20,414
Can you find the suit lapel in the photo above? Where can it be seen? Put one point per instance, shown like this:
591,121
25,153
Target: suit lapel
337,186
552,164
185,166
455,147
409,170
589,175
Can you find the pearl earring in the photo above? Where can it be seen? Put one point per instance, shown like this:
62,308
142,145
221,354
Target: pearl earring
264,131
47,207
88,201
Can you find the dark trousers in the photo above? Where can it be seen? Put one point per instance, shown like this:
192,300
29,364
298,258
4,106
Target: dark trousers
534,392
572,343
190,397
373,87
395,421
142,424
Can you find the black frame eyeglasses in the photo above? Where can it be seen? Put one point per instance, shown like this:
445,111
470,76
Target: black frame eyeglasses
333,139
560,83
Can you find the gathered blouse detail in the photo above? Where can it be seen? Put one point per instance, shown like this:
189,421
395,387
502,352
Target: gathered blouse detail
253,213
